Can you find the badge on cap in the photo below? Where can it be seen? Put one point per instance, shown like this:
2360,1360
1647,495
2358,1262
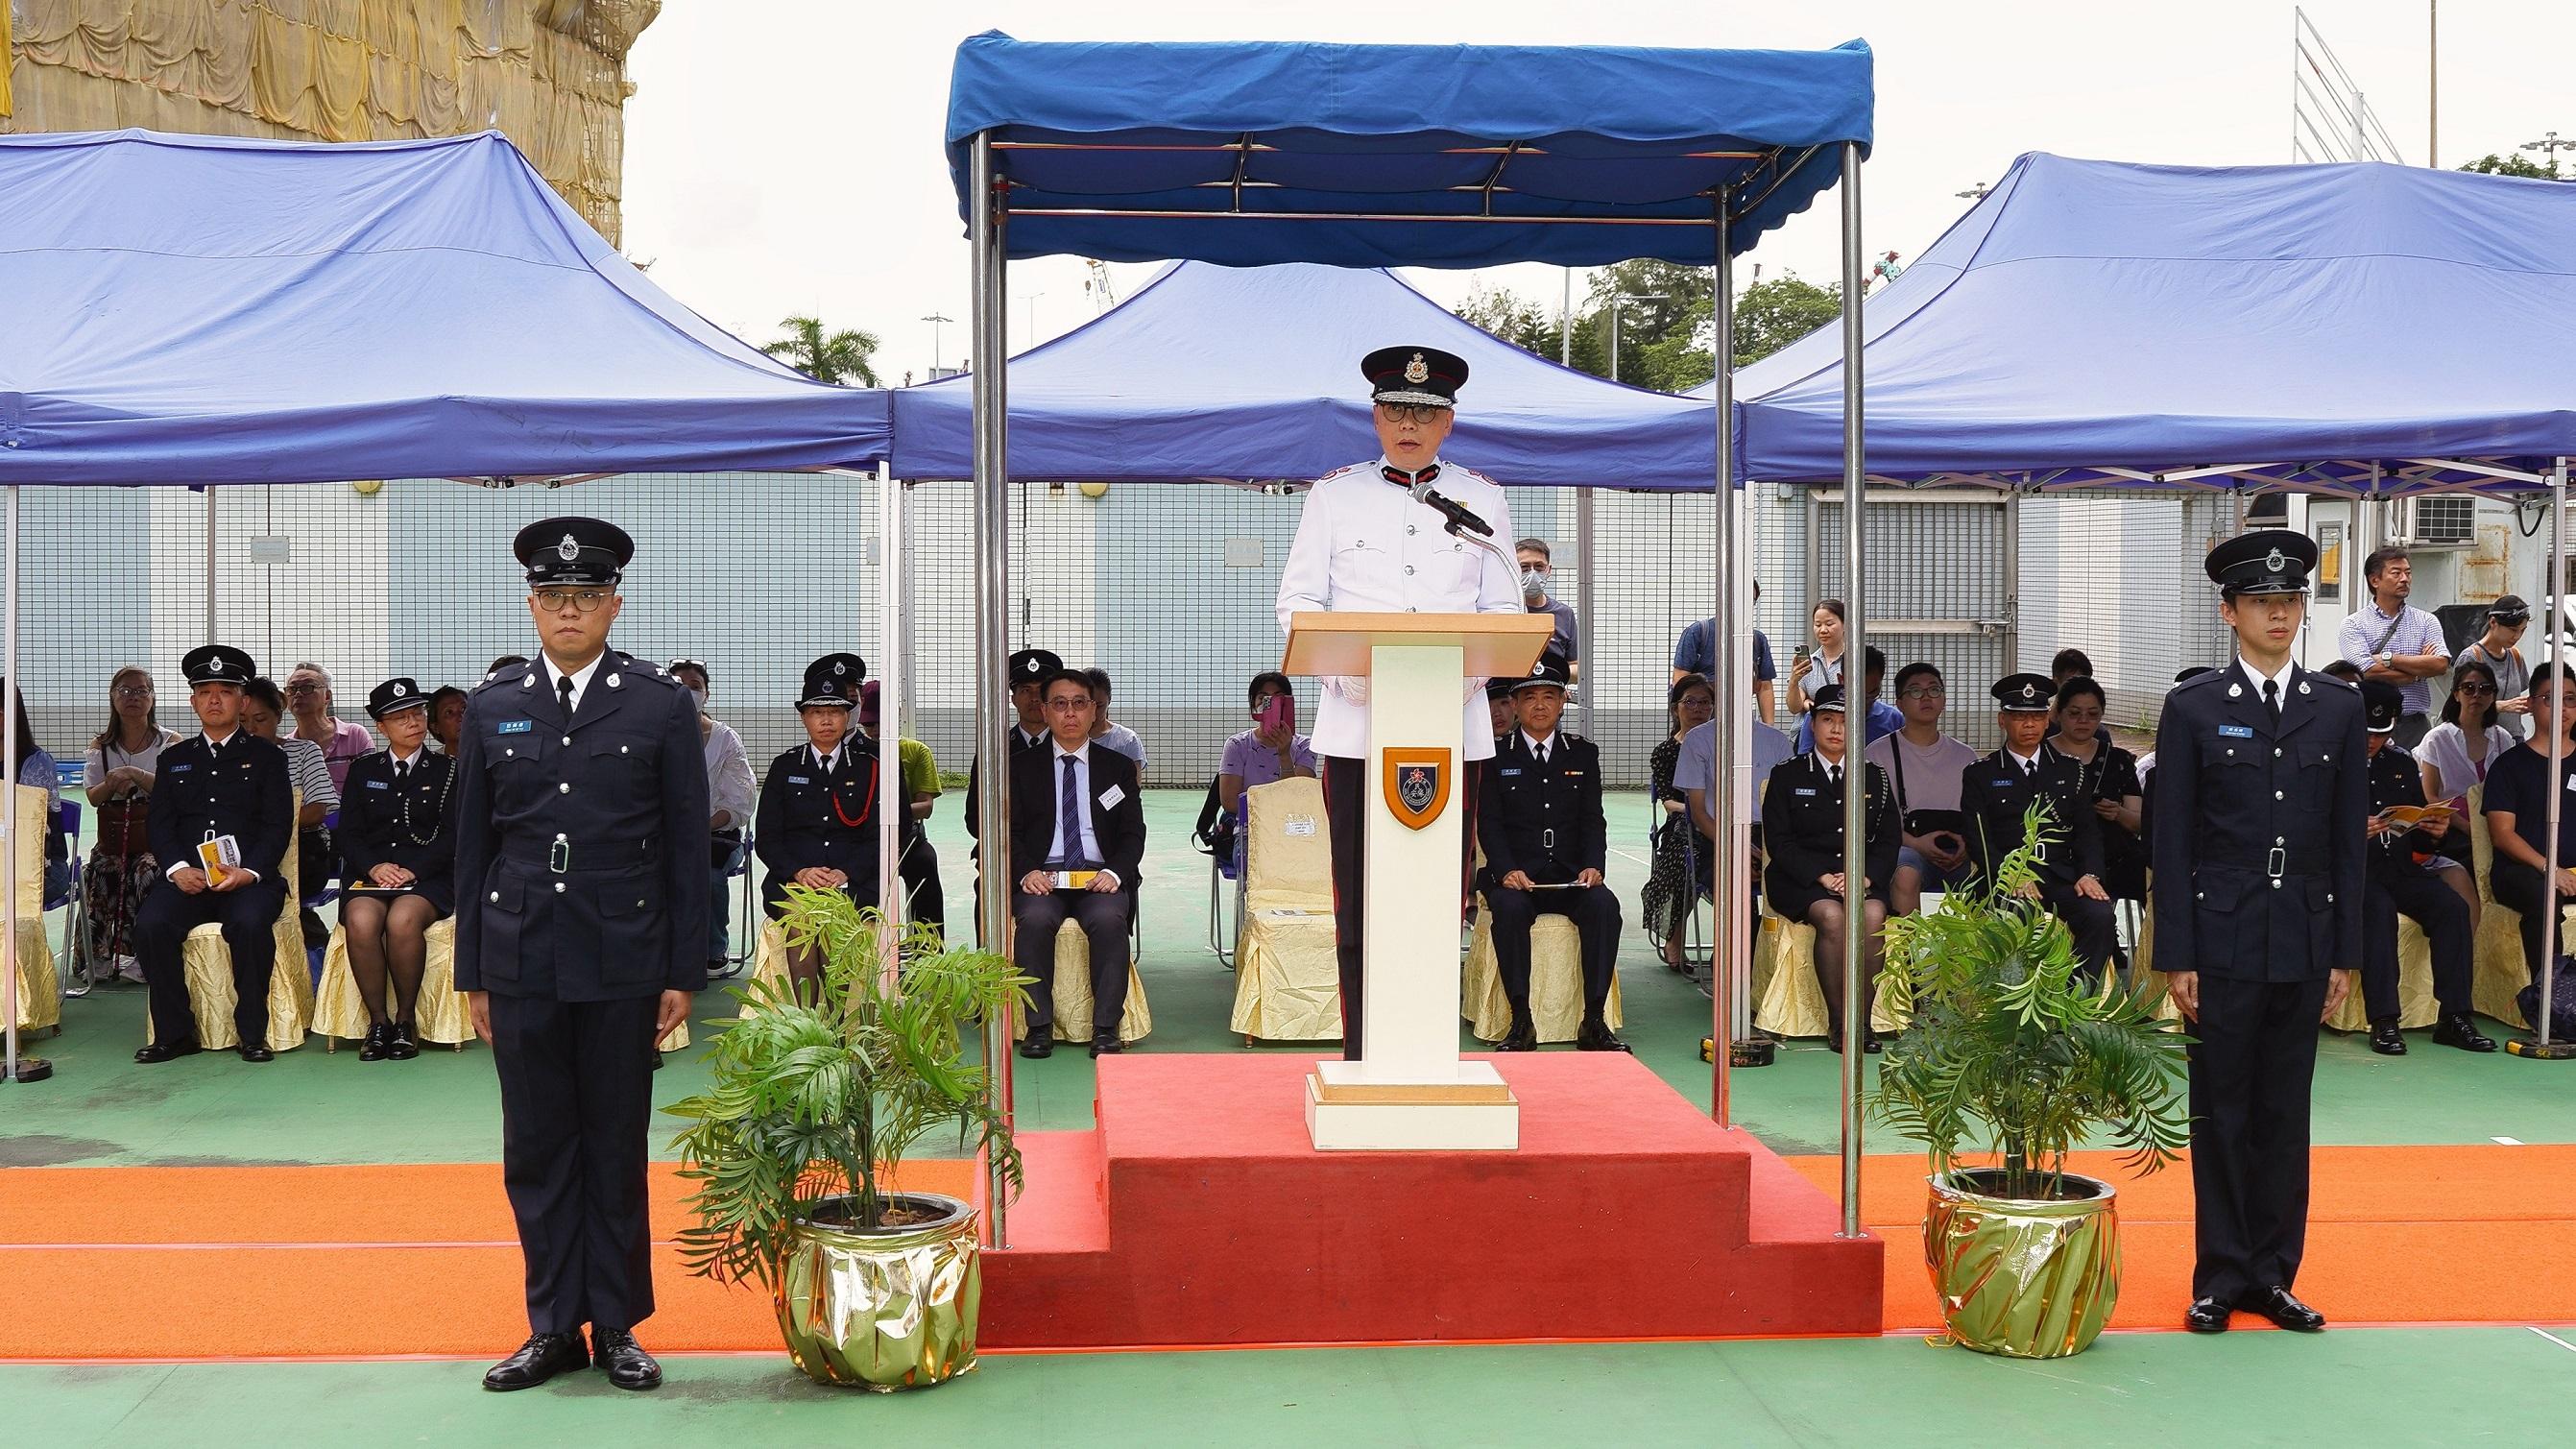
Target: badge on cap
2274,561
568,550
2030,691
399,689
844,669
1417,370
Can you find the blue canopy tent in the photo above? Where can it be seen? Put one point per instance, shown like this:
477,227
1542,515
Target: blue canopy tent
1370,156
191,310
2338,329
204,310
1253,373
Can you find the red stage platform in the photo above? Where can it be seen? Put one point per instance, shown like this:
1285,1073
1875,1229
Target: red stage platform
1197,1213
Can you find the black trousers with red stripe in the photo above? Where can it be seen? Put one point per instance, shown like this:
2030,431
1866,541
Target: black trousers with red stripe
1346,810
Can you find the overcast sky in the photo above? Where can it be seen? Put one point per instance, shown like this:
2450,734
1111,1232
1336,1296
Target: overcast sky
794,165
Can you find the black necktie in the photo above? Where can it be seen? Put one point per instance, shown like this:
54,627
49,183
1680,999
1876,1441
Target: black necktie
1833,776
563,691
402,773
1069,810
214,753
2272,699
1540,752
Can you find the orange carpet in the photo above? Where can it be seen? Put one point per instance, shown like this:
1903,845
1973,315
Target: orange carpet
2395,1235
327,1262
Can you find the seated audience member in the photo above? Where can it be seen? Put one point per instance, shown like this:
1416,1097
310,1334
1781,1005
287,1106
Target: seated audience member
2517,806
1996,794
37,768
2109,780
1802,830
224,781
308,771
308,695
1027,672
729,808
1271,749
924,901
447,718
1077,849
2066,664
1695,652
1924,765
2505,619
397,842
1669,894
1546,842
1884,718
2401,883
1697,773
2455,756
118,778
1116,736
1499,704
816,822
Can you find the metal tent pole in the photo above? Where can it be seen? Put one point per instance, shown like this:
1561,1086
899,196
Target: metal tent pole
1855,661
895,803
13,1067
1727,923
2540,1046
1584,634
992,628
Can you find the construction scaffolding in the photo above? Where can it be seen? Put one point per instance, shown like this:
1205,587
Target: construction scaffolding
549,74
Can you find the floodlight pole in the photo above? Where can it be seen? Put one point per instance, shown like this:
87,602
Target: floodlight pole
990,318
1856,1007
1729,934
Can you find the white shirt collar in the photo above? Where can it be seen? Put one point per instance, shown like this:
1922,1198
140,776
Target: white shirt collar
1536,744
824,761
2282,679
413,758
1436,464
580,677
214,743
2027,762
1083,753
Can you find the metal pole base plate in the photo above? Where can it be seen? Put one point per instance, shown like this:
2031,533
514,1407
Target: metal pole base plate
2556,1051
1741,1053
30,1069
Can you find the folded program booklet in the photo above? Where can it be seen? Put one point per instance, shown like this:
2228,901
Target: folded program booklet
2416,817
220,856
1074,880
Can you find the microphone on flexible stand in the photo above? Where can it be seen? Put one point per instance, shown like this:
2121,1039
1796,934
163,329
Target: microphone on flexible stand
1462,522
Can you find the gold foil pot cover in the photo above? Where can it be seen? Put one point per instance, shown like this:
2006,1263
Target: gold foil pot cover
885,1310
2021,1277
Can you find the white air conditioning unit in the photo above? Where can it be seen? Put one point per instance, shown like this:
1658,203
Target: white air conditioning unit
2439,521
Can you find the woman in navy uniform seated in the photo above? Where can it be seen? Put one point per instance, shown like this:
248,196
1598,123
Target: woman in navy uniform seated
817,825
1802,830
397,843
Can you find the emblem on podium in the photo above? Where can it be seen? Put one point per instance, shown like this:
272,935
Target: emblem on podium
1416,782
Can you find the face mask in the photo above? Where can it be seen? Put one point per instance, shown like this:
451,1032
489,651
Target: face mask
1533,581
700,696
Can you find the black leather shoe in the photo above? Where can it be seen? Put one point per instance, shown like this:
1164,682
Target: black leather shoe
404,1043
2386,1040
542,1357
2460,1029
165,1052
1869,1043
1038,1043
379,1037
1106,1046
252,1051
2205,1315
2276,1304
627,1364
1596,1036
1523,1037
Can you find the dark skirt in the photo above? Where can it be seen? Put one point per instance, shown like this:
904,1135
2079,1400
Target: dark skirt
440,895
773,892
1791,899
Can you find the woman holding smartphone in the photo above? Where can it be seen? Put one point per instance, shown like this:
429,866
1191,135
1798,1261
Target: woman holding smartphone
1270,750
2110,776
1815,668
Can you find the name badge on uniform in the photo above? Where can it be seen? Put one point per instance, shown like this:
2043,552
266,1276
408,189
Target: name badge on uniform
379,784
1507,774
799,780
2236,732
2004,784
176,769
1804,791
516,727
1110,797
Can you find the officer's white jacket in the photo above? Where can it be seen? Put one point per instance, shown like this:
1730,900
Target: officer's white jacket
1363,545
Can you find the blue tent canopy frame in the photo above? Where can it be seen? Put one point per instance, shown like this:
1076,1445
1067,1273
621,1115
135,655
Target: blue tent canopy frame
1399,155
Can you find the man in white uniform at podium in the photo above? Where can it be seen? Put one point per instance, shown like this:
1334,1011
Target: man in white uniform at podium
1369,542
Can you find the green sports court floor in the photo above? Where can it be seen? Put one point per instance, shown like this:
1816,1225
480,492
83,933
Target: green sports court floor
2362,1386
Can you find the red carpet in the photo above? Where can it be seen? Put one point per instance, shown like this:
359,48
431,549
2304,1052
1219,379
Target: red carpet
1198,1214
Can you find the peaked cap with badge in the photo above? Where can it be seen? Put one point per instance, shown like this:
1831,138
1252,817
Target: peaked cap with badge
217,664
2023,693
1549,672
394,696
572,551
828,683
1414,376
2265,561
1827,700
1034,666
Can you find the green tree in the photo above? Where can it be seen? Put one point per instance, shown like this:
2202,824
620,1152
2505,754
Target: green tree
1665,321
1771,315
839,358
2495,165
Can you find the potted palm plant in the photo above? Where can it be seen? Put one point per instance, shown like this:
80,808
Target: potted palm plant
2010,1061
813,1102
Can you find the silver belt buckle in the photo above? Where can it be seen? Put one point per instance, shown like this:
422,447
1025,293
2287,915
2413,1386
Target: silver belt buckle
1547,840
559,857
2277,863
2039,851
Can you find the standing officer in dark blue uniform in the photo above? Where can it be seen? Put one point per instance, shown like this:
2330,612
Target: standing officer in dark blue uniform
2262,803
581,930
817,825
1545,842
1996,794
223,781
2399,883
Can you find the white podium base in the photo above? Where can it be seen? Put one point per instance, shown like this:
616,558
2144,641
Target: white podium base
1348,1110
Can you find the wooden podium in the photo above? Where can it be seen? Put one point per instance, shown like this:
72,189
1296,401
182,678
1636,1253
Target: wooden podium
1410,1090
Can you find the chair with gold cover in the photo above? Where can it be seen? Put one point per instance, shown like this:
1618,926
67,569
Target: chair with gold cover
1288,982
439,1013
40,993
